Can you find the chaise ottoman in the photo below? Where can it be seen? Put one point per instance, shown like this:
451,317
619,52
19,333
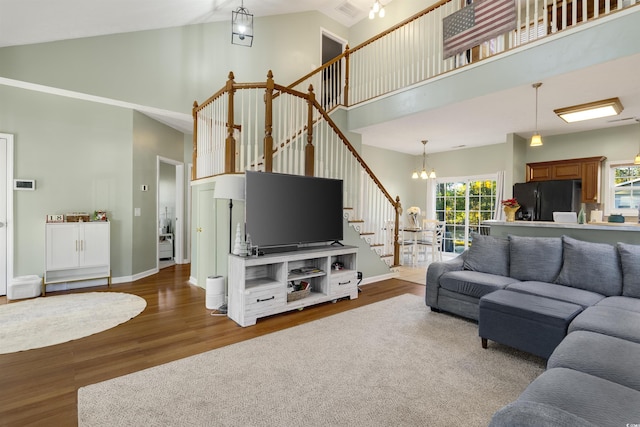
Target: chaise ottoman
527,322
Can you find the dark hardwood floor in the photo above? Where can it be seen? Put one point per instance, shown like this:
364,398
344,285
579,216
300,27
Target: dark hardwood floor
39,387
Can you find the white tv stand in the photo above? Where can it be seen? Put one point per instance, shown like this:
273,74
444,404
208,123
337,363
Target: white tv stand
258,286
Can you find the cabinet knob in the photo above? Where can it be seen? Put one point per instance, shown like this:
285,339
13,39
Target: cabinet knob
199,229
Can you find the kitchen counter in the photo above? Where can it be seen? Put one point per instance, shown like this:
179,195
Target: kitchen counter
602,232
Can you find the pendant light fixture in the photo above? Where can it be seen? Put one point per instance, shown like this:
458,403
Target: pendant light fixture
377,8
536,139
424,174
242,26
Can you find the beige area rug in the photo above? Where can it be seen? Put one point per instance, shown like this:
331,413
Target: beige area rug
392,363
46,321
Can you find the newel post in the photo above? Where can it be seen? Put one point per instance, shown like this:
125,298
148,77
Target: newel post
346,76
268,123
230,142
309,151
396,233
194,155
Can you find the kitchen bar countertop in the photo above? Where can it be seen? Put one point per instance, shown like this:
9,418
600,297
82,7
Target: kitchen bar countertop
602,232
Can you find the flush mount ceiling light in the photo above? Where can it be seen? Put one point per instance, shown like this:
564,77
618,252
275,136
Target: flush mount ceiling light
591,110
377,8
424,174
536,139
242,26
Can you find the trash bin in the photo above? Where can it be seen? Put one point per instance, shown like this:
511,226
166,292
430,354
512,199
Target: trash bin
25,287
215,292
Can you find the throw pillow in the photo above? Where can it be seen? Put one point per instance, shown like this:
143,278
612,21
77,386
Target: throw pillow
591,266
488,254
630,260
535,258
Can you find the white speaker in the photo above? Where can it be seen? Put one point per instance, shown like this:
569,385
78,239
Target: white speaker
215,292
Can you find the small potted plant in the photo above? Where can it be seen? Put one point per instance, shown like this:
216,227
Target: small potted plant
510,207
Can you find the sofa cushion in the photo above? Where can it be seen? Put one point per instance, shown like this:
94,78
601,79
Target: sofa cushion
488,254
611,358
557,292
625,303
526,414
597,400
591,266
630,260
612,321
473,283
535,258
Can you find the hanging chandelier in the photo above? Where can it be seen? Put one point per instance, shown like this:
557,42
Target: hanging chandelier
242,26
536,139
378,9
424,174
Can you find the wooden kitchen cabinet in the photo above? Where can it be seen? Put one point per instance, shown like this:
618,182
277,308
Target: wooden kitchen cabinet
587,170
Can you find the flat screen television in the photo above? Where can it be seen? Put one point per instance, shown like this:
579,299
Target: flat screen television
288,210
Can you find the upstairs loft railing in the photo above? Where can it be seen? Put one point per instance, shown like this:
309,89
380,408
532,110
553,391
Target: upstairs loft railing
411,52
269,127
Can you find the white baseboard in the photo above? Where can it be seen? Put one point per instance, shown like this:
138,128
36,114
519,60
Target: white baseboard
138,276
379,278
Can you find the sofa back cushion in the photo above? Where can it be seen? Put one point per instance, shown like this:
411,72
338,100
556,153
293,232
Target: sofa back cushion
535,258
488,254
630,260
591,266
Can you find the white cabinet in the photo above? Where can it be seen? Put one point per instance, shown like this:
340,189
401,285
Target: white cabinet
261,286
77,251
165,246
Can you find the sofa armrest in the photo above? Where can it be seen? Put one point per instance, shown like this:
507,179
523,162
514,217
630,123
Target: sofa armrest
526,414
437,269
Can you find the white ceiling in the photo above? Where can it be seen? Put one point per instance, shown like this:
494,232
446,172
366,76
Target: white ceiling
480,121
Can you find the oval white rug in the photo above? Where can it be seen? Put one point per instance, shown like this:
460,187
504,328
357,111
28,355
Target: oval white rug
46,321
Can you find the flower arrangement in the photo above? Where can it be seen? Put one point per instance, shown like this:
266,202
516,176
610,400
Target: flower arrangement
414,210
510,203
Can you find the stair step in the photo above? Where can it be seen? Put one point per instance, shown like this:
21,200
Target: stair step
347,208
351,221
375,245
367,233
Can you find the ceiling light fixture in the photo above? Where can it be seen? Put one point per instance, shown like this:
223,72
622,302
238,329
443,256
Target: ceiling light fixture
536,139
242,26
376,8
591,110
424,174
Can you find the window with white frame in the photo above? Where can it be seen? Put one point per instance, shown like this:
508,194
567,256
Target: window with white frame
622,188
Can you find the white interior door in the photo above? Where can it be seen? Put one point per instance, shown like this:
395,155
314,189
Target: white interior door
6,211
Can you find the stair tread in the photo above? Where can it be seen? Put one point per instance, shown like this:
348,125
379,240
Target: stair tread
355,220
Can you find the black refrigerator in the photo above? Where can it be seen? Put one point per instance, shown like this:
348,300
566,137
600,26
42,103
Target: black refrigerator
539,200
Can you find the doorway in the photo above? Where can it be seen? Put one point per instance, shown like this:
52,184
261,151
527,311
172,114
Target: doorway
6,211
170,212
333,76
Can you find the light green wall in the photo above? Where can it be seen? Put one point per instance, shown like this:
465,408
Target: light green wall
150,140
170,68
80,154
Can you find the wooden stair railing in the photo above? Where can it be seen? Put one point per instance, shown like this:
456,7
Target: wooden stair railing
292,121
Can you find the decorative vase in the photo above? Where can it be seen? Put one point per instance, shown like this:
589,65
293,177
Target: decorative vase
510,212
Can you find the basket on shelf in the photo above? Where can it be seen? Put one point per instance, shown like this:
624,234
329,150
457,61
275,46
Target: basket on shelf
296,295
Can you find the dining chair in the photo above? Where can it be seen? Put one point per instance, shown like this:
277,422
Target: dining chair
431,236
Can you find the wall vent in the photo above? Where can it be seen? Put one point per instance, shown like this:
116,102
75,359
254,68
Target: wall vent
349,9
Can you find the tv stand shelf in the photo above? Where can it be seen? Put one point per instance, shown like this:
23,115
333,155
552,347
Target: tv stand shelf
258,286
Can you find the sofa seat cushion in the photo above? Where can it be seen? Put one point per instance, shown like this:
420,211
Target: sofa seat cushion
488,254
557,292
612,321
591,266
630,260
535,258
473,283
625,303
611,358
597,400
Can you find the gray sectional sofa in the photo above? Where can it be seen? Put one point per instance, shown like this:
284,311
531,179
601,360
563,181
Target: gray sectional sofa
575,303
